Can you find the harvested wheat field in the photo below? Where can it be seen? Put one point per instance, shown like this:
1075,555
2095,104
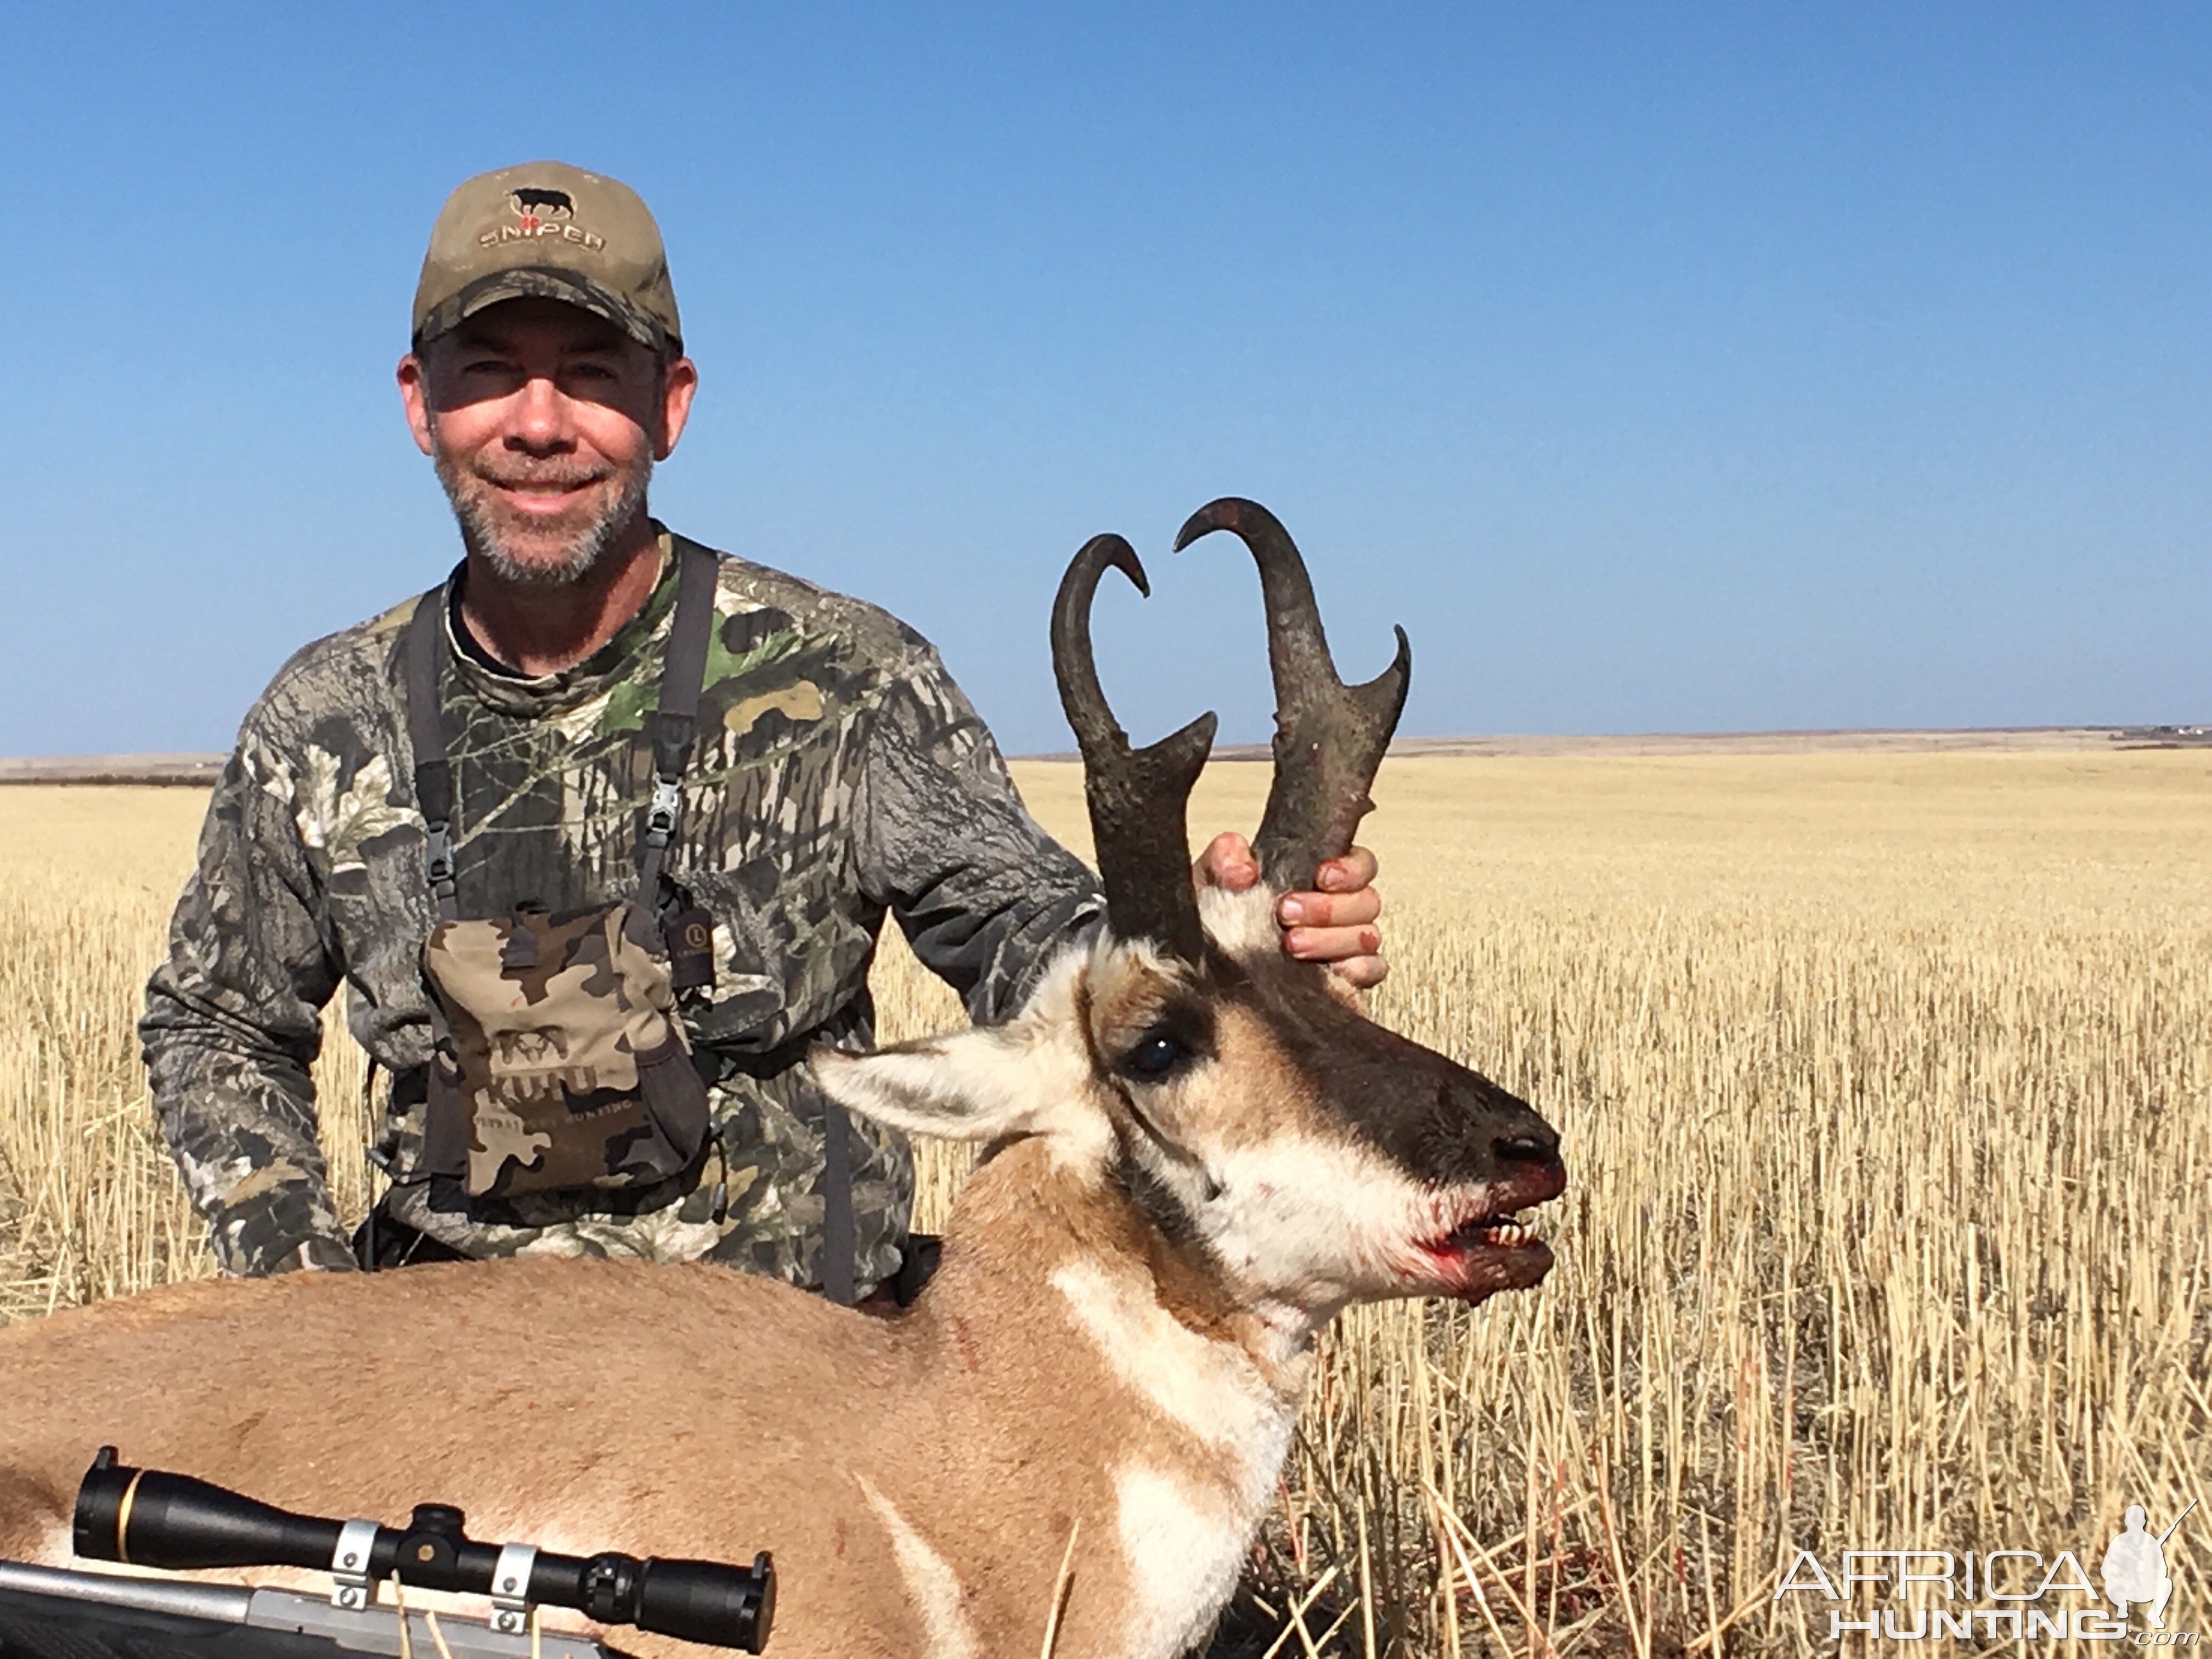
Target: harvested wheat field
1886,1086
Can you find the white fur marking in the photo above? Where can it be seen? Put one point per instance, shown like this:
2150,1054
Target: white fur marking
1210,1387
1242,923
1184,1554
935,1589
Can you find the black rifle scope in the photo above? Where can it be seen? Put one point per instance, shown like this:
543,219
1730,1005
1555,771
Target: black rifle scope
149,1518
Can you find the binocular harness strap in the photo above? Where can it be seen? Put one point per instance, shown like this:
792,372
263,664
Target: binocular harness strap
674,727
434,777
675,722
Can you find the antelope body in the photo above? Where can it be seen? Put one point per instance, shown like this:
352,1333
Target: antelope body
1201,1154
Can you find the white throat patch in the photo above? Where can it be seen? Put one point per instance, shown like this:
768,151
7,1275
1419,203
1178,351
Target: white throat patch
1212,1388
1183,1554
1184,1539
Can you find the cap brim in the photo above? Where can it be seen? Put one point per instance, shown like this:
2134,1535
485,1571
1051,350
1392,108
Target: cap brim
545,283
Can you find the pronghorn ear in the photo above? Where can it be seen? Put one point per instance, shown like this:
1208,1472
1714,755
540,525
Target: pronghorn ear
978,1084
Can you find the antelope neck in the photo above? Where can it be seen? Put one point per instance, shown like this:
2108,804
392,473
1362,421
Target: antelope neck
1046,1238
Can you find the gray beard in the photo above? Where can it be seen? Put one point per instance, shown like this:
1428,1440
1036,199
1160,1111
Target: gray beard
484,535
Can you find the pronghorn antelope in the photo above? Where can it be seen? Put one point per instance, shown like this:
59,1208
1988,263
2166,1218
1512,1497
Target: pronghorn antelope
1200,1153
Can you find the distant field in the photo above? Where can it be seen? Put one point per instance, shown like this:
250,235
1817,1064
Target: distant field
182,768
1887,1085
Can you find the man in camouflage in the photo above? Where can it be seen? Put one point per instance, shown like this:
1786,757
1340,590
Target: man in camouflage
838,774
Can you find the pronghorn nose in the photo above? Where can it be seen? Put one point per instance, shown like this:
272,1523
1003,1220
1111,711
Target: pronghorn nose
1527,1149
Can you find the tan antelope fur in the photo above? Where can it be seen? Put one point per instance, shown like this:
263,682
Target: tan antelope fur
1199,1152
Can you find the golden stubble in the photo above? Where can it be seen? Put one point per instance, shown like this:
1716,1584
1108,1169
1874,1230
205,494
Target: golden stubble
1885,1083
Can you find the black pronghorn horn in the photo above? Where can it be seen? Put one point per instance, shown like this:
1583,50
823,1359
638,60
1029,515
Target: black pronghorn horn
1138,797
1330,737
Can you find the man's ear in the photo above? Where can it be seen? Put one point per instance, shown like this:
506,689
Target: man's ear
979,1085
679,380
414,394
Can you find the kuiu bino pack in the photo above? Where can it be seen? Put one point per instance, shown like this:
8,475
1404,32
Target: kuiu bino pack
561,1062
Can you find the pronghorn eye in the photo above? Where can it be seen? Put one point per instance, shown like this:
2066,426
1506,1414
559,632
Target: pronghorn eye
1156,1053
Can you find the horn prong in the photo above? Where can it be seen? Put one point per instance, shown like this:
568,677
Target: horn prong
1330,737
1139,797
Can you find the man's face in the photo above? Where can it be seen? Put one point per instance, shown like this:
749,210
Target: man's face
543,422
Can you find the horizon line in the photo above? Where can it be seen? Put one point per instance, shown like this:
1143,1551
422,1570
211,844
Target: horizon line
201,769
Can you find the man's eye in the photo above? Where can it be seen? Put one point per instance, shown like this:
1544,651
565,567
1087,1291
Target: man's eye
1154,1057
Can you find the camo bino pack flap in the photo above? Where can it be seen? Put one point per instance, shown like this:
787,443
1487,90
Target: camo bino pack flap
561,1061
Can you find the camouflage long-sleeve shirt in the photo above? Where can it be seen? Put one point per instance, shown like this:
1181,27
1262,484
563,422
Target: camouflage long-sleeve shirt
839,773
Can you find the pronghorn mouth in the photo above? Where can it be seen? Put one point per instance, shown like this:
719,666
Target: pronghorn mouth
1503,1232
1491,1251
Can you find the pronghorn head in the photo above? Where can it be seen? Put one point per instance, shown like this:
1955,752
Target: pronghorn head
1252,1116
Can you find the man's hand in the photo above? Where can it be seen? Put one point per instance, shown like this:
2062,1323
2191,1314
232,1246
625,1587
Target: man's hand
1335,925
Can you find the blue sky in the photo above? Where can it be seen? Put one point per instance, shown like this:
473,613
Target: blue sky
1660,368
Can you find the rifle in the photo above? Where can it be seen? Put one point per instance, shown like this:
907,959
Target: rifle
150,1518
2178,1520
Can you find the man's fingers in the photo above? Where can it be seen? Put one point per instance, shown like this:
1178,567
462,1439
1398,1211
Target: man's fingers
1360,973
1334,922
1227,862
1332,944
1355,870
1329,909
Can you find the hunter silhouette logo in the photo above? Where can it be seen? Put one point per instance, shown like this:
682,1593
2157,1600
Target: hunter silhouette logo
2135,1567
534,207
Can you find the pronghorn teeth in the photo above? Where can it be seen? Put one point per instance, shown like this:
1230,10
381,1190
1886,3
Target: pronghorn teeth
1494,1232
1510,1231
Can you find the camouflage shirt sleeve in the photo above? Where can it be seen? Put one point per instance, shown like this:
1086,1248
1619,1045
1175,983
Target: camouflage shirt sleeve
232,1024
984,896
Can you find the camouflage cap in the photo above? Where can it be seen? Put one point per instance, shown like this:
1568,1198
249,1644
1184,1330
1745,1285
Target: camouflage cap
552,231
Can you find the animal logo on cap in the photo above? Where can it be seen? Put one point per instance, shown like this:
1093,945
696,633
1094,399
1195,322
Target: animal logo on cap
532,206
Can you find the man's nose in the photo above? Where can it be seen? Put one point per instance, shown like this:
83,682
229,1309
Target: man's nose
540,417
